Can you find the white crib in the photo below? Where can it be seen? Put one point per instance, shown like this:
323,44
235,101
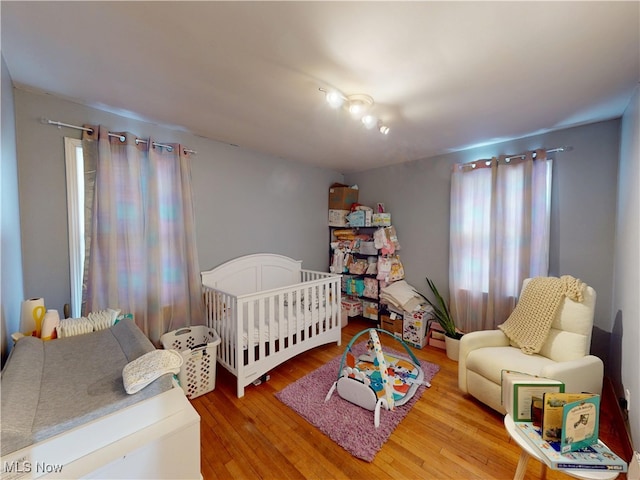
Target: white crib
267,309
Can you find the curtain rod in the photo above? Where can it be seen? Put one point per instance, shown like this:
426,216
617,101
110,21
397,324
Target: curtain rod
548,150
121,137
487,161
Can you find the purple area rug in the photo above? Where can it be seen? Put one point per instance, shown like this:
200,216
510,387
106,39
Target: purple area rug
349,425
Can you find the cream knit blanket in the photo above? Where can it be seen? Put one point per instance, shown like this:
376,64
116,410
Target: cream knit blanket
528,325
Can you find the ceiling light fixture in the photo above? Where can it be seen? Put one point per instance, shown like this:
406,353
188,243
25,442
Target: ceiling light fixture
369,121
335,99
358,105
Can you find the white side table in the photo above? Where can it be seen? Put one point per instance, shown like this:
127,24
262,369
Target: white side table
529,451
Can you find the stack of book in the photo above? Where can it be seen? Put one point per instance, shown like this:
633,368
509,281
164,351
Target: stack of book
562,426
520,389
593,457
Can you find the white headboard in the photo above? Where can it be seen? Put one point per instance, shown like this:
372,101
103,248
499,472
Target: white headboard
253,273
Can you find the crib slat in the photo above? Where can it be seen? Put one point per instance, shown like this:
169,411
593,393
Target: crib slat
262,334
273,333
290,314
283,300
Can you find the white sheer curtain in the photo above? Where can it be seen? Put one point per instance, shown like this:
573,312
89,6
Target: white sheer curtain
141,249
499,235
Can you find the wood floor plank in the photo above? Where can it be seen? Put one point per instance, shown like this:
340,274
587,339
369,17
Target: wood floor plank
446,435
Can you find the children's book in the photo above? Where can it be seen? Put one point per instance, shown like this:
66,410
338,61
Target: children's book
518,389
593,457
571,419
580,424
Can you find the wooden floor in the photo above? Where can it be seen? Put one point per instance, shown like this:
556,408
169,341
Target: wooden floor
446,435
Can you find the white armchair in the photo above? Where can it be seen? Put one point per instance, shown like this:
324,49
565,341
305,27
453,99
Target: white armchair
564,355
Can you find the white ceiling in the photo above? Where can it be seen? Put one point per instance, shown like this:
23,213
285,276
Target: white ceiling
444,75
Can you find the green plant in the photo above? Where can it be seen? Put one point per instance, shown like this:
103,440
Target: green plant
441,312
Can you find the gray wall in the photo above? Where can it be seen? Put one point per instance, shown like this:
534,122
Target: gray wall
583,208
245,202
625,356
11,292
594,231
248,202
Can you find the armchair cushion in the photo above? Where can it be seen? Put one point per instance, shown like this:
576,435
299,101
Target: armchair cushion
570,334
489,362
563,346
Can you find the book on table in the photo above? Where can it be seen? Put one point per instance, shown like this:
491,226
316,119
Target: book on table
518,390
573,419
593,457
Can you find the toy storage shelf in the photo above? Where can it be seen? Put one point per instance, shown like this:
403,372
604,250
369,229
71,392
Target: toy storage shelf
369,297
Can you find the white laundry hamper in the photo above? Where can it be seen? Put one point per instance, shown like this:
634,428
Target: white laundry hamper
198,346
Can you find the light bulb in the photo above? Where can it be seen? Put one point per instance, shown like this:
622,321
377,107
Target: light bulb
384,129
334,99
369,121
356,109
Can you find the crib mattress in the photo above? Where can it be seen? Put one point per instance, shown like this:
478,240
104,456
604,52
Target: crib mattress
283,326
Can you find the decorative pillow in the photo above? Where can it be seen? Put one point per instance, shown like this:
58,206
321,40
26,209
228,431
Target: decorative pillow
152,365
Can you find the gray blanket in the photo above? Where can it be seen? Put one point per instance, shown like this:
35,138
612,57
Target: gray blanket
50,387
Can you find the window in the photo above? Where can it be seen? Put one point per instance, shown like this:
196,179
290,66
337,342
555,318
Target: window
140,255
500,216
471,209
74,164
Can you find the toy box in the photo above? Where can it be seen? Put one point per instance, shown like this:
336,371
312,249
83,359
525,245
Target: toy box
341,197
338,218
381,220
392,322
435,335
352,306
414,328
360,218
370,310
